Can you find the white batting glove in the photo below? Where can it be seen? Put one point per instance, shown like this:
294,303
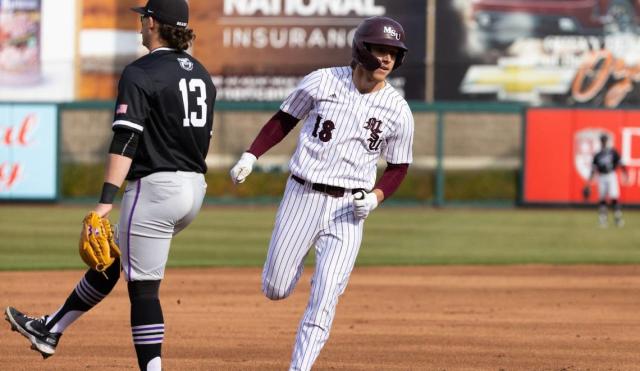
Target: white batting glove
241,170
364,203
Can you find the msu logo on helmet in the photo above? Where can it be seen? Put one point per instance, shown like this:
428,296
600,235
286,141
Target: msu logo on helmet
391,32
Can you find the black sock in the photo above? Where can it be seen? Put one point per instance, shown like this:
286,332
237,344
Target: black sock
92,288
147,322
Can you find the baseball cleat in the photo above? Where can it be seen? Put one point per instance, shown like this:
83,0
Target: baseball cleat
617,216
603,220
33,329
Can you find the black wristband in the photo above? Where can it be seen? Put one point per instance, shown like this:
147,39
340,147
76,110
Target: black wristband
108,193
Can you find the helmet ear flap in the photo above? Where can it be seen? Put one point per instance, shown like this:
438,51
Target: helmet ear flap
399,59
362,55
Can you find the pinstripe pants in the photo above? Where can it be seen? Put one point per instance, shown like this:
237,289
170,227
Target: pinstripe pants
306,218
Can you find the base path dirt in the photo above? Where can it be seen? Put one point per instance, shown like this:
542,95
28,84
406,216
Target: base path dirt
392,318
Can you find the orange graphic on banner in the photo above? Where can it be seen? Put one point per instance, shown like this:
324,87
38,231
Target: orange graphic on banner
597,70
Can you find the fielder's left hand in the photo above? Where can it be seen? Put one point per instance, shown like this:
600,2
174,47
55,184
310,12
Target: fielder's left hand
364,203
103,210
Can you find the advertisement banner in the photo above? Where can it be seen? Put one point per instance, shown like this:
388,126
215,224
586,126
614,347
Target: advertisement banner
37,50
559,149
20,48
578,53
28,152
255,50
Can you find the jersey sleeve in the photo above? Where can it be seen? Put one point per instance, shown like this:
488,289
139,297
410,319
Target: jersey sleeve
616,159
301,100
399,146
132,104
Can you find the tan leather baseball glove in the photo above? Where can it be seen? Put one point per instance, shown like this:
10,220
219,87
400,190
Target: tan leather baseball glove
97,247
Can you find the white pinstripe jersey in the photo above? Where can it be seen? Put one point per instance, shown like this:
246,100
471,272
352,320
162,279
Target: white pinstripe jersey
345,132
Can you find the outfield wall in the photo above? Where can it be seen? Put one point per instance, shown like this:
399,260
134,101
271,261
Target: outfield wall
475,136
458,148
561,144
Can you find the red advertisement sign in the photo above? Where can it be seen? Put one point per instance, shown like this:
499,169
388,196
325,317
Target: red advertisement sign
559,148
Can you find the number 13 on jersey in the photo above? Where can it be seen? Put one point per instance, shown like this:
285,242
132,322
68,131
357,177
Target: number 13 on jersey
192,118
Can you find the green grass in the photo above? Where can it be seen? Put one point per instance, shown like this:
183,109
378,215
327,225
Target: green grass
45,237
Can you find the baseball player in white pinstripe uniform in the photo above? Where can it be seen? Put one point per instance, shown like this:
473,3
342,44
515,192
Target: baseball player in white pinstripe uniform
352,116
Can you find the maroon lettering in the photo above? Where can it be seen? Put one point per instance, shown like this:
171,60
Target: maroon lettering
327,127
316,126
374,125
325,134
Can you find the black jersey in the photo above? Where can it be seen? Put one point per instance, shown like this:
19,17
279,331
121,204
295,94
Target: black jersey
606,160
167,97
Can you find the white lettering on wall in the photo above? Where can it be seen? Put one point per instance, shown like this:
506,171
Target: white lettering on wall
628,134
252,7
302,7
279,38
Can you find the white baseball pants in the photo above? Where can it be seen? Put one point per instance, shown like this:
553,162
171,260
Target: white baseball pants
306,218
154,209
608,186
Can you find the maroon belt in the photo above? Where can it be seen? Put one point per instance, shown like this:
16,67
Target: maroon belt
332,191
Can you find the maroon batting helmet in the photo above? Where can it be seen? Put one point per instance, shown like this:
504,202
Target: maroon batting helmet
380,31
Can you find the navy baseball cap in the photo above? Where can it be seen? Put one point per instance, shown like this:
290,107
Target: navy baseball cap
171,12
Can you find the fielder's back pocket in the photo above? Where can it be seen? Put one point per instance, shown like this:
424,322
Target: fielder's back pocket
162,186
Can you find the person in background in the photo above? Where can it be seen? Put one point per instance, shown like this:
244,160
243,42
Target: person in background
604,164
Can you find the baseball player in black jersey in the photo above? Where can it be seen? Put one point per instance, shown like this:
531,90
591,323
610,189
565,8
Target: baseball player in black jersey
605,163
162,129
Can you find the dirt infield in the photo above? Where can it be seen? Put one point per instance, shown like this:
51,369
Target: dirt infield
410,318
